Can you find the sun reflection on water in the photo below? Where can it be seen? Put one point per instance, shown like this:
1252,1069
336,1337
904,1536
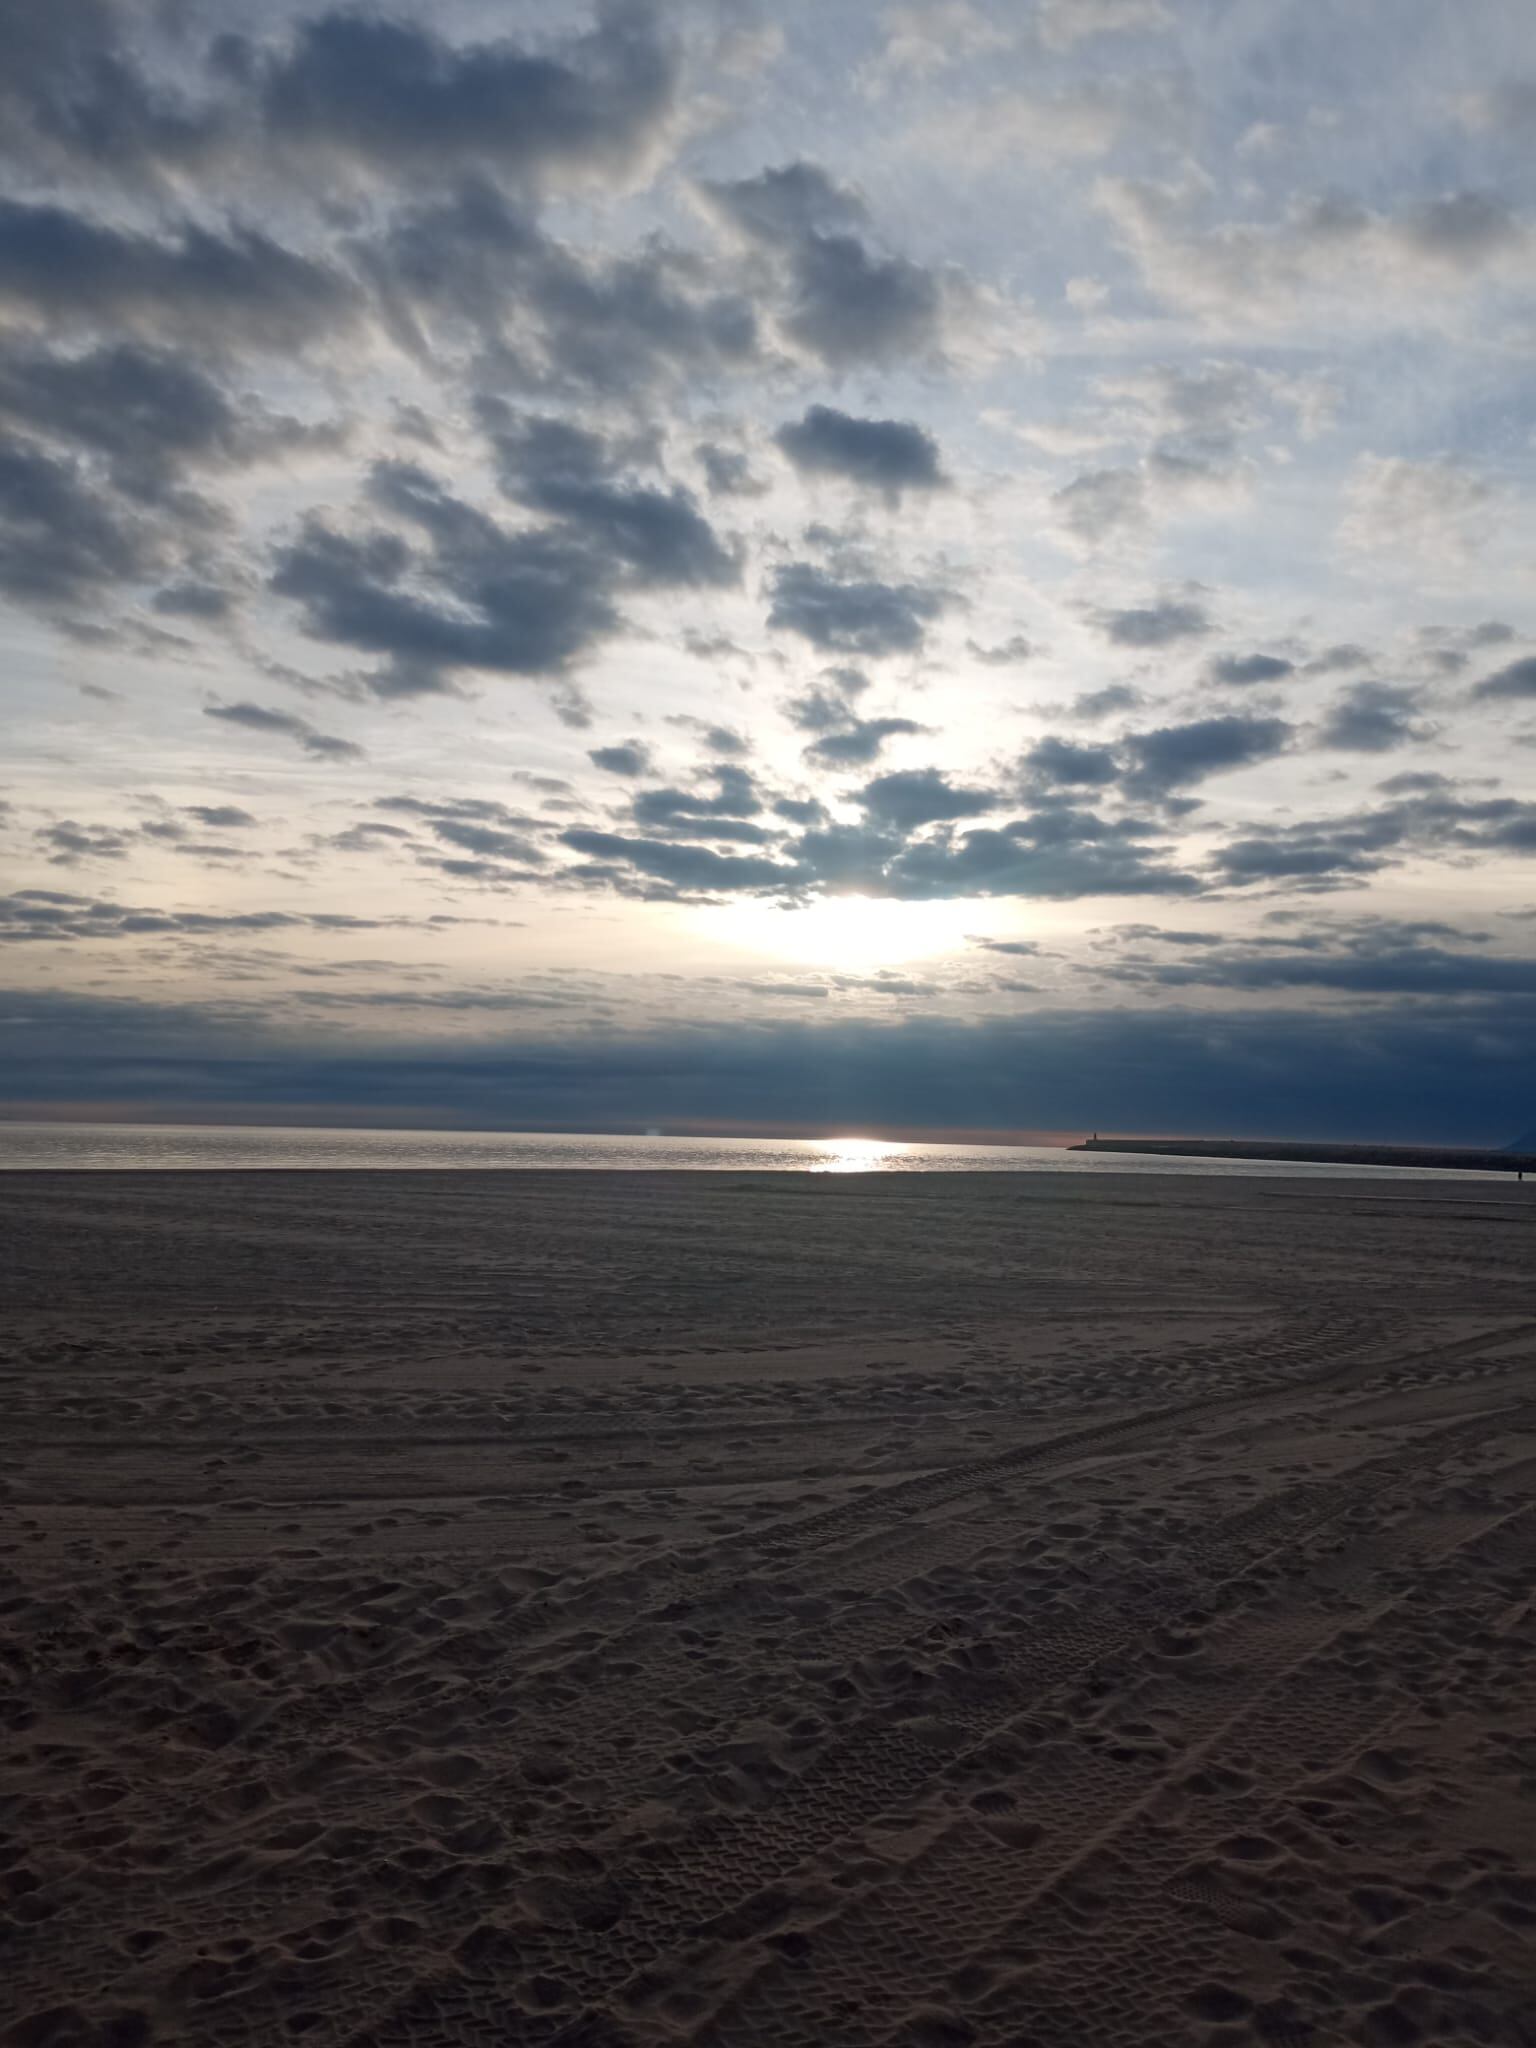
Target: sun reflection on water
856,1155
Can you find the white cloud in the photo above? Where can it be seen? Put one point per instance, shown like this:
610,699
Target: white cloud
1441,509
1065,22
1321,253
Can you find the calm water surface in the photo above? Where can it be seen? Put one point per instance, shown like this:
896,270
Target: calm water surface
227,1147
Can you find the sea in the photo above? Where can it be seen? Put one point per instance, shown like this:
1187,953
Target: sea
224,1148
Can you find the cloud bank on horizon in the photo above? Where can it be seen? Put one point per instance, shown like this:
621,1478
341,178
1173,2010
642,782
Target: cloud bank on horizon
947,564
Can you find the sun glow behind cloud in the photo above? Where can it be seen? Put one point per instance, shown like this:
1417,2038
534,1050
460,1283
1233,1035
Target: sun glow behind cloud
859,933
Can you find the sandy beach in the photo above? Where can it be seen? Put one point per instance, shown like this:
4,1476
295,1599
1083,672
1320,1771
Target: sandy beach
616,1609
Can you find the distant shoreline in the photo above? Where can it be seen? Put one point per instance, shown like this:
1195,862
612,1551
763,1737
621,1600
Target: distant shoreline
1441,1158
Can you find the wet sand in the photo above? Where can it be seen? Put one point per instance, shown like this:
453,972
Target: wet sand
624,1609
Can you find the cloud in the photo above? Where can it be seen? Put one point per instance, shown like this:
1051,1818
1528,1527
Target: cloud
238,290
852,615
859,741
489,842
1156,625
689,872
1241,670
569,472
1329,850
72,98
67,843
843,738
837,299
920,796
1104,703
476,596
1515,682
63,539
1415,970
1006,654
1371,718
1273,274
257,718
1365,1073
888,456
736,795
1345,655
554,318
927,36
1173,757
1102,505
147,413
1398,507
397,99
221,817
1056,854
1057,763
43,916
1063,23
629,757
727,472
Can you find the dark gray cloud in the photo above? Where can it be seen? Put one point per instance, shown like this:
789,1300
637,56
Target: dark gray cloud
495,835
147,413
911,797
1172,757
489,842
67,842
1155,625
839,299
1243,669
50,915
73,96
237,289
477,596
1517,680
63,539
1006,654
1114,697
829,710
1057,855
689,871
627,757
109,503
258,718
831,703
1054,762
888,456
1372,718
401,100
1328,851
1345,655
853,615
221,817
555,467
550,317
1417,970
1371,1073
860,741
736,795
908,849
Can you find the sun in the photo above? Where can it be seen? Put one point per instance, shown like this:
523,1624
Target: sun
860,933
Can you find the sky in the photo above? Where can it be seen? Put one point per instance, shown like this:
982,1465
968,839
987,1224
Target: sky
941,566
